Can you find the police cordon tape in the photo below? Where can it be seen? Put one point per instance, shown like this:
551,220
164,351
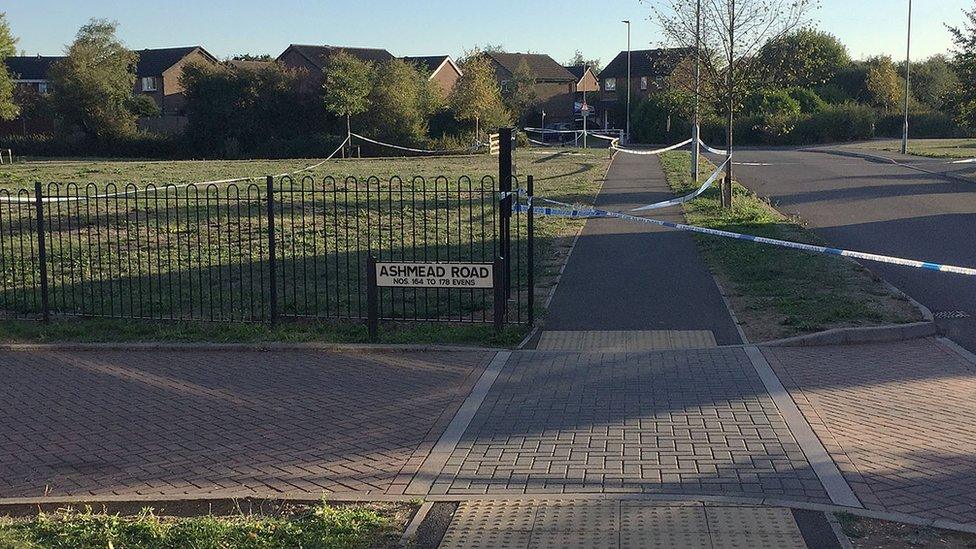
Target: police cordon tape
568,210
411,149
169,186
681,200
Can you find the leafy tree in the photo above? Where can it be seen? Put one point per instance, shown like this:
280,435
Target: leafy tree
882,83
963,101
236,111
93,84
933,81
578,59
348,82
8,47
401,102
807,99
476,96
519,92
804,58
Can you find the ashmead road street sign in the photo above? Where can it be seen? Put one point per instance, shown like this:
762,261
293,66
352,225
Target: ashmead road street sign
434,275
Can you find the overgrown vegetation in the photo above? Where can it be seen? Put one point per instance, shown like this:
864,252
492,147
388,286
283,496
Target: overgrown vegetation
320,526
778,292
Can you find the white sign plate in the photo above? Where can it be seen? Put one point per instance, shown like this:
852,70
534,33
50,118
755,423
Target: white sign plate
434,275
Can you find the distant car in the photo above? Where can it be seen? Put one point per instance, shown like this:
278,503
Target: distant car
558,134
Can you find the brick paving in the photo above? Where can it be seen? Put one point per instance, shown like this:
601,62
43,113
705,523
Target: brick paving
223,423
899,419
688,422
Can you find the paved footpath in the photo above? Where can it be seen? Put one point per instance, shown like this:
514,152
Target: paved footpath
887,427
625,276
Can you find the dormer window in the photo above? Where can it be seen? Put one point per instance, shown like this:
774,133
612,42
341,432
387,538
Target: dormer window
150,84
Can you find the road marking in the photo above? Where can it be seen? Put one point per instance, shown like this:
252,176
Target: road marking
833,481
445,446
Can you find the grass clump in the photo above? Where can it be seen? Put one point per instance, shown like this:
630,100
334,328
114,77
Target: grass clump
320,526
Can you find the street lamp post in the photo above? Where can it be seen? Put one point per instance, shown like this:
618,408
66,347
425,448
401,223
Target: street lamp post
627,22
908,77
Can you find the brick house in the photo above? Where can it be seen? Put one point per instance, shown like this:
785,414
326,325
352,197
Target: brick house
159,72
586,83
649,70
30,72
443,71
554,85
312,59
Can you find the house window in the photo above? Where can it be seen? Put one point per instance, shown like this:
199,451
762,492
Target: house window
42,88
643,83
610,84
149,84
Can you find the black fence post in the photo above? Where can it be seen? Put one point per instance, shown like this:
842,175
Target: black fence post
498,283
272,259
372,299
505,186
530,250
42,251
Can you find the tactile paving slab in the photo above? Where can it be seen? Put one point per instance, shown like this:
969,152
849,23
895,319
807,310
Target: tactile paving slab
626,524
625,341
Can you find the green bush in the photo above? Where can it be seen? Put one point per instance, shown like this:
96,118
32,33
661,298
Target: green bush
808,100
771,102
833,94
921,125
141,145
848,122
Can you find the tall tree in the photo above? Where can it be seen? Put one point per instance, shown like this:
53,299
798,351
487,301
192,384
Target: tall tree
348,81
933,81
93,83
8,47
401,102
476,96
963,101
883,85
804,58
519,92
732,32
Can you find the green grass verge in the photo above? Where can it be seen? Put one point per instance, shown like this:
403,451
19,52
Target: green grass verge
778,292
320,526
933,148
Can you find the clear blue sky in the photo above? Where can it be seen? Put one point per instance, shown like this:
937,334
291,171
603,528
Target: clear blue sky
418,27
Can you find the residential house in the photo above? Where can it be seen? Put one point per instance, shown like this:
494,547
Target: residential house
554,85
159,75
649,70
586,83
31,72
443,71
314,58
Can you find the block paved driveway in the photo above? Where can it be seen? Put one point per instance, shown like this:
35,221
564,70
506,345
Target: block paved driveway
899,419
223,423
681,422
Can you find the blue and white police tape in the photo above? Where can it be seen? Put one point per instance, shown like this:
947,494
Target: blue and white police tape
567,210
615,145
681,200
711,149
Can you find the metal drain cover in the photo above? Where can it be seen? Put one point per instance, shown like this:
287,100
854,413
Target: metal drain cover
951,314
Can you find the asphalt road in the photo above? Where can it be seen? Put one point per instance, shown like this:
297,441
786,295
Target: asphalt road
627,276
876,206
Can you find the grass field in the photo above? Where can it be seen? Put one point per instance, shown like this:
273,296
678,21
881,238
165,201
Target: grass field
320,526
145,258
778,292
934,148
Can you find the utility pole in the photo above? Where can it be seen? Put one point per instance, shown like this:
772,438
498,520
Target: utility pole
730,77
908,77
696,127
627,22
